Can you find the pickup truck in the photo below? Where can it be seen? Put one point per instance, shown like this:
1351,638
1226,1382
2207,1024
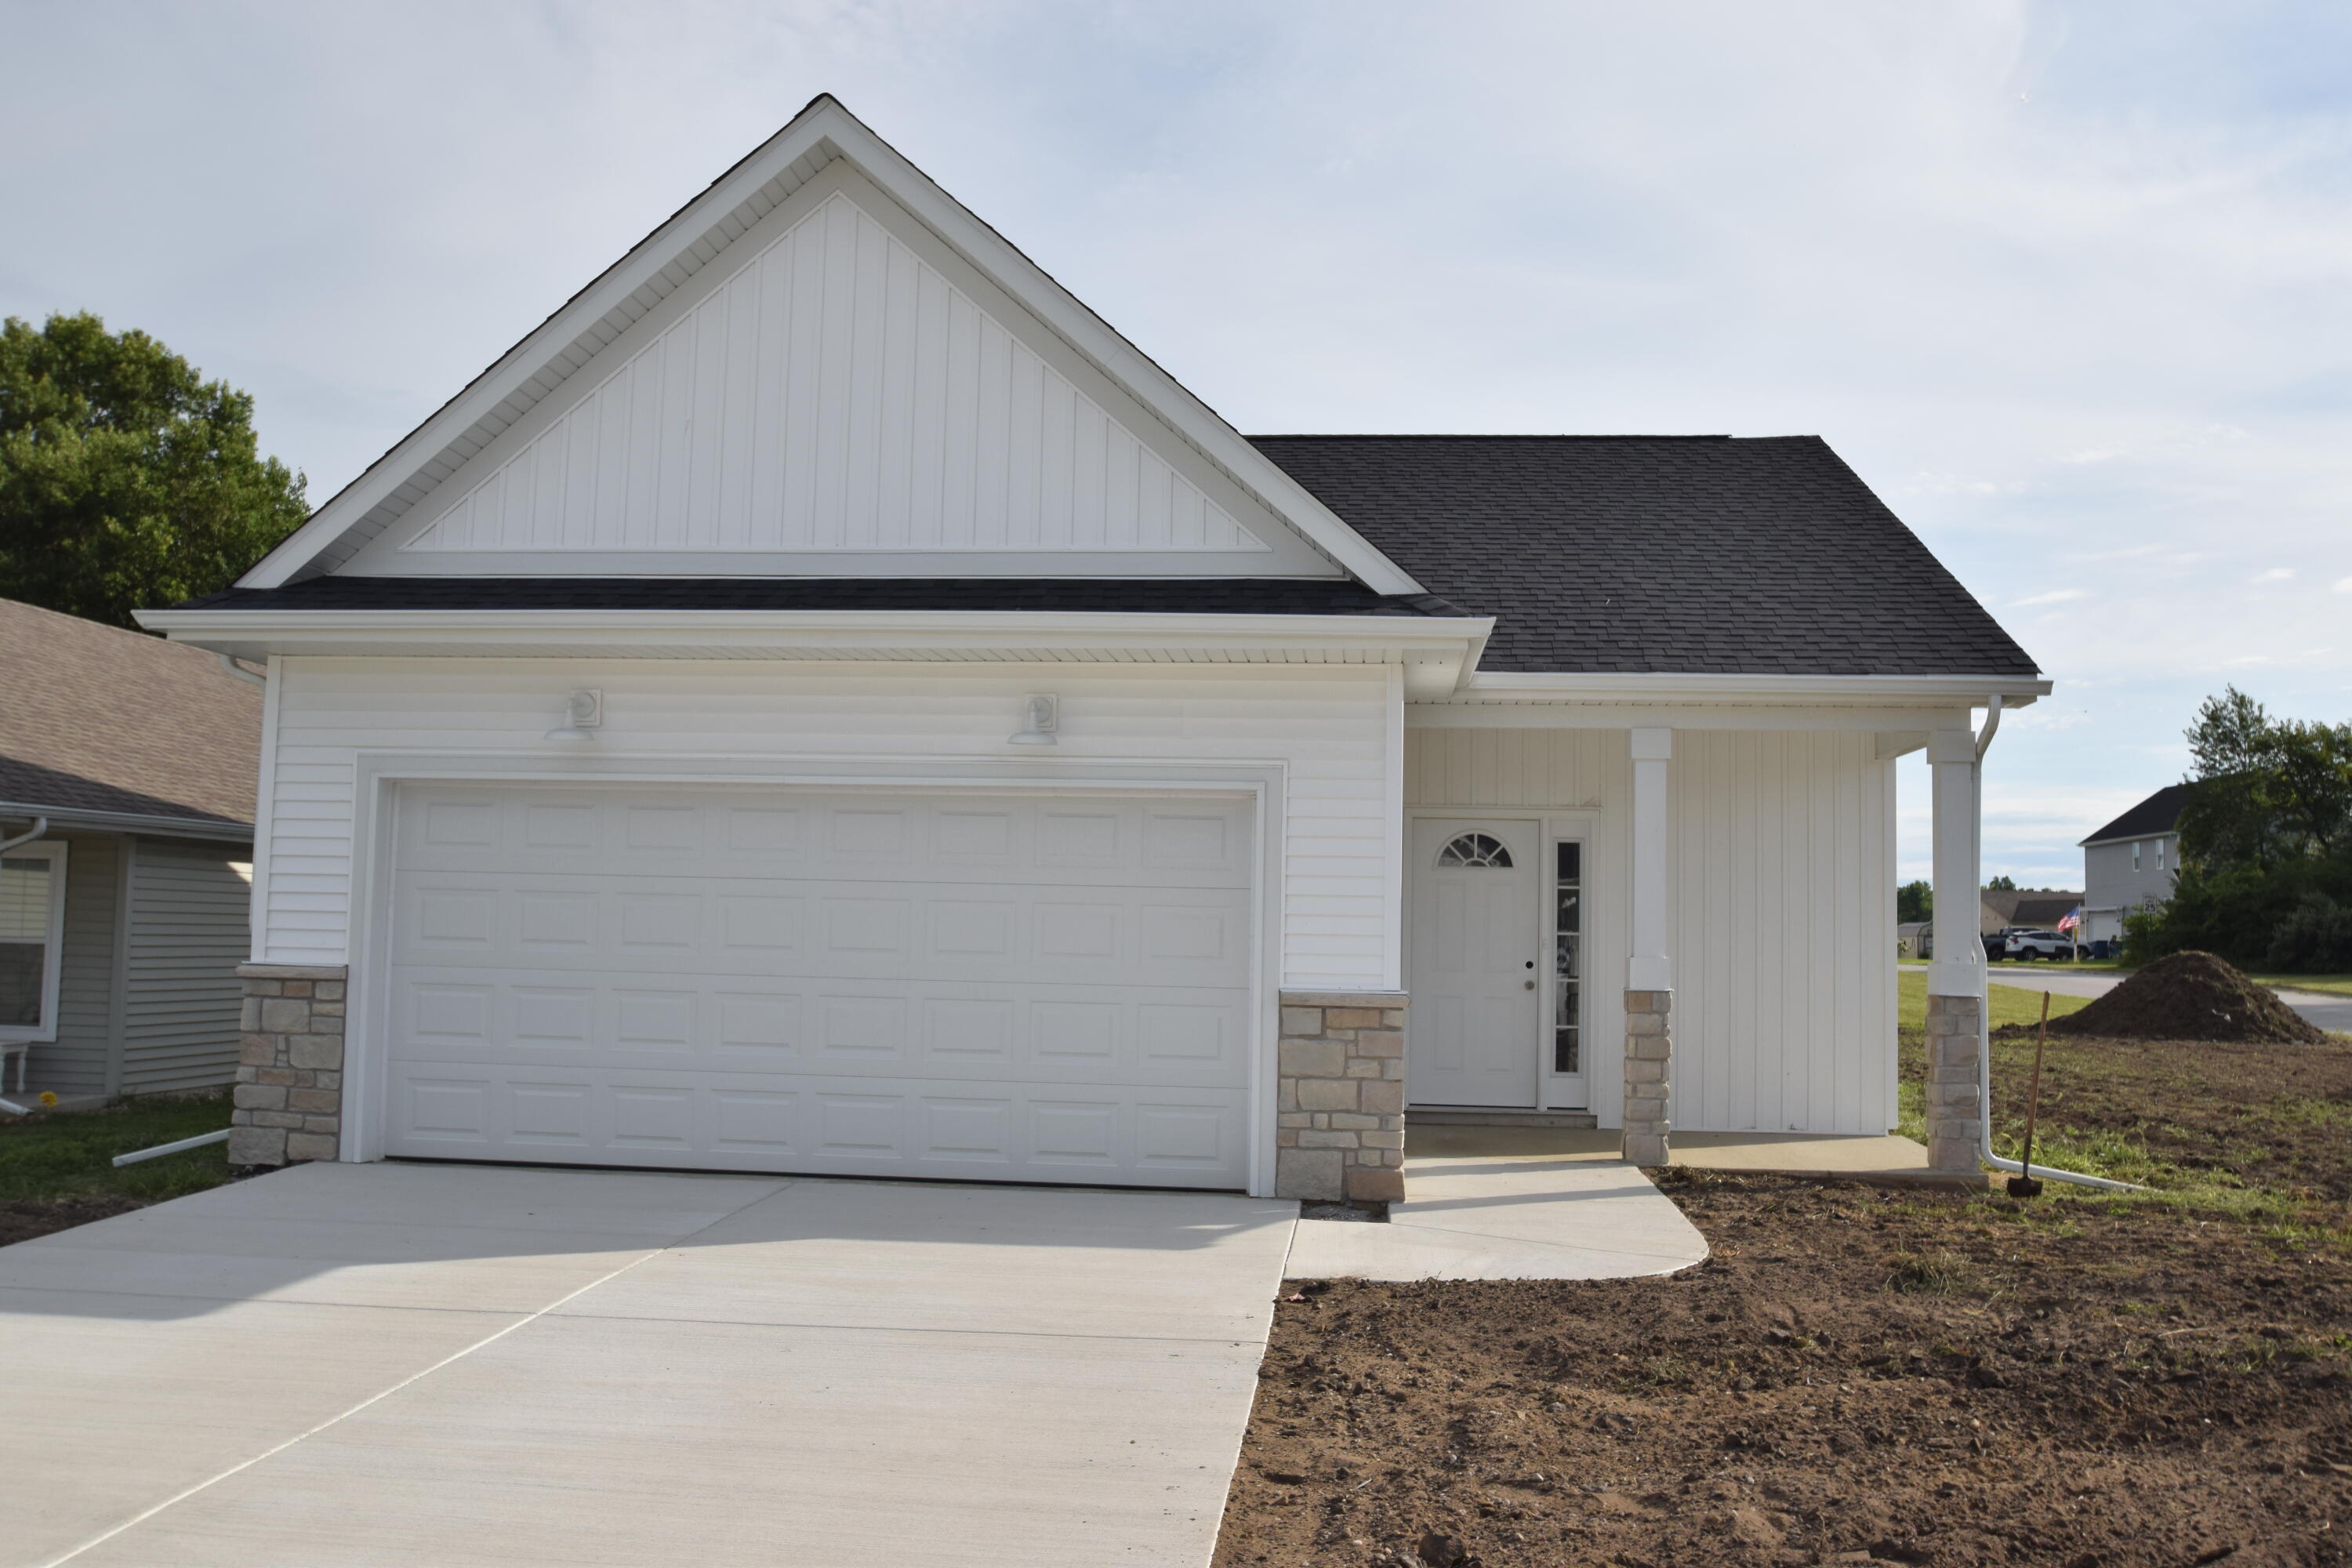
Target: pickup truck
2028,945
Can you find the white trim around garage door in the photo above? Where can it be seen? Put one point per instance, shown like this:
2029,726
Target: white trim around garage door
379,775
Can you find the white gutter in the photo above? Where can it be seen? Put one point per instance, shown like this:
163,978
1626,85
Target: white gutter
1984,996
131,822
41,826
1509,686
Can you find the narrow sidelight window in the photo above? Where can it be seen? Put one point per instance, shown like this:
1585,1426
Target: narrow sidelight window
1568,962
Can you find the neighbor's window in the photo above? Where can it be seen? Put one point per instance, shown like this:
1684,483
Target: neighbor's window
2160,854
1567,961
2135,858
32,914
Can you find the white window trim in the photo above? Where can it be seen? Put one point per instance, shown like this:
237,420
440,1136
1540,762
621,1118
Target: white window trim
46,1032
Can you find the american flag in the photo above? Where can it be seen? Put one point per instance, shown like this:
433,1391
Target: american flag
2073,920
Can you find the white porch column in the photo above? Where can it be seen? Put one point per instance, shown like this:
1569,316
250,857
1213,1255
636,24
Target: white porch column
1956,977
1649,977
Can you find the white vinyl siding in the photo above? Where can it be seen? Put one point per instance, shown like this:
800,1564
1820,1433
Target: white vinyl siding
1329,728
1781,875
836,391
188,930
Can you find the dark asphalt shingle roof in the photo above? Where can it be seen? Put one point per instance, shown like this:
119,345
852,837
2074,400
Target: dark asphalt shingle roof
1672,553
1144,595
2159,812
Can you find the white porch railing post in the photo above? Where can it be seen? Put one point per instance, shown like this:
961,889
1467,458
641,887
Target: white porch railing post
1956,977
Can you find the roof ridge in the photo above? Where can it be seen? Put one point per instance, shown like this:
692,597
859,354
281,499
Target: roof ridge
1500,436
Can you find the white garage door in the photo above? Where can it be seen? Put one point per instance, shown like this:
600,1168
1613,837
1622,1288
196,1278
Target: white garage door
967,985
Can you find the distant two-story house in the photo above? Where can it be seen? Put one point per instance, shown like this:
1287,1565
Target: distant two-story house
2131,863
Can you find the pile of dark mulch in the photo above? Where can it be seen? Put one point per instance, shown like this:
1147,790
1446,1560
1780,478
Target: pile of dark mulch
2191,996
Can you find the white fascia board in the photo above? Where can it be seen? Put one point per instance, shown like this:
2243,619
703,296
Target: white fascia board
1937,691
1453,643
827,126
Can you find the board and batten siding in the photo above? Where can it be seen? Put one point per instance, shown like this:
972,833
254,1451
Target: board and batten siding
189,928
1781,867
76,1062
1331,728
835,391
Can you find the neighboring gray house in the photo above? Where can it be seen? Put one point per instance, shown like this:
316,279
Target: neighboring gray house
2131,862
127,774
1999,908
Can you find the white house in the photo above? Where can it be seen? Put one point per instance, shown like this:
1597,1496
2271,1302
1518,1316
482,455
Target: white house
824,702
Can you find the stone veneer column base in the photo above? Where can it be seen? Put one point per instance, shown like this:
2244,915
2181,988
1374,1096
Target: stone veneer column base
1954,1115
1649,1079
1339,1097
289,1074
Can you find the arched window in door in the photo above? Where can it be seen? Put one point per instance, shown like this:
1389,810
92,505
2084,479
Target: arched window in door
1475,849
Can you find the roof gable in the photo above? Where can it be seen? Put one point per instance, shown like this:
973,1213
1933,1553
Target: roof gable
2159,813
825,366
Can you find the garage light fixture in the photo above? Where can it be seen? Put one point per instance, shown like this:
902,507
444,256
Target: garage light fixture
583,715
1045,720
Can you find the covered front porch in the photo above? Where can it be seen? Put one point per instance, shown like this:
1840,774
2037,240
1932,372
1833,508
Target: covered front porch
1652,919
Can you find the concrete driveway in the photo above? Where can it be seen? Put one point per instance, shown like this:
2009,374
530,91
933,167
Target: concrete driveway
422,1365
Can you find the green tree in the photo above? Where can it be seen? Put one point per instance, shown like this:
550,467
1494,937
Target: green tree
127,481
1914,902
2003,883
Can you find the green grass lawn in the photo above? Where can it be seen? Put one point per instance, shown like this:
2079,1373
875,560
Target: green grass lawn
2333,984
69,1154
2009,1004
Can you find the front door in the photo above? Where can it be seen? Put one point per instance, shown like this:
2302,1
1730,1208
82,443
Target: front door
1473,963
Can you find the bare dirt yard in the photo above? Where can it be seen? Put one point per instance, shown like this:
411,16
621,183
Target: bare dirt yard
1871,1375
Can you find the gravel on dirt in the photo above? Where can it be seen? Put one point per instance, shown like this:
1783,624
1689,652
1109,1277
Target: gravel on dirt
2191,996
1857,1374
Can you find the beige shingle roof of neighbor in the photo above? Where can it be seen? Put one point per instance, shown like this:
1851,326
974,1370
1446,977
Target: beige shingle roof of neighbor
97,719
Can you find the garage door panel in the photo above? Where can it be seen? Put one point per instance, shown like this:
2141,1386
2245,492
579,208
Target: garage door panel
980,1031
843,1126
864,839
1047,934
1054,988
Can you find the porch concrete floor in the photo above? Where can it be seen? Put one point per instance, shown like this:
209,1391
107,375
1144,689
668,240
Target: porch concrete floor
1486,1214
1788,1154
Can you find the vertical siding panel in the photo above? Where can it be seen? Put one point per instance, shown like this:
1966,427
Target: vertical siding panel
739,415
1057,459
765,528
642,524
1024,418
960,516
1746,931
836,391
869,351
804,390
928,437
706,444
902,327
993,491
1820,867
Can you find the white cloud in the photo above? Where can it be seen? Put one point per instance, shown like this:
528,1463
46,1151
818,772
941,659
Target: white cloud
2344,584
2276,575
2055,596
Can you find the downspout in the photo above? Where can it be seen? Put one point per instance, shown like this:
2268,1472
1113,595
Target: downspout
1984,994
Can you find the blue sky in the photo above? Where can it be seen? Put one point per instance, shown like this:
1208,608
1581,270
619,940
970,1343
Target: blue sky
2066,284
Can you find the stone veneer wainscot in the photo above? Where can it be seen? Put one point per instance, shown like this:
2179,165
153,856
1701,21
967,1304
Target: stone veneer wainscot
1339,1097
289,1074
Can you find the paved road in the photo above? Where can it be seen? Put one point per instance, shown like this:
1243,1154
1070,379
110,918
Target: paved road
2326,1011
414,1366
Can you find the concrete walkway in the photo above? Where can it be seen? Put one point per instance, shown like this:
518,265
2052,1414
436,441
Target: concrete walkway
1505,1215
446,1365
